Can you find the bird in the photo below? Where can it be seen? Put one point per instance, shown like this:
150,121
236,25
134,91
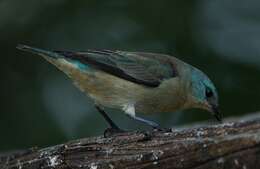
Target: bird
135,82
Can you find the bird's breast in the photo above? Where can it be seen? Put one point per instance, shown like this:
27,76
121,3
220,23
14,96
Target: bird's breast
170,96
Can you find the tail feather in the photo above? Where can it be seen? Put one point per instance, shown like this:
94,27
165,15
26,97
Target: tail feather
60,59
38,51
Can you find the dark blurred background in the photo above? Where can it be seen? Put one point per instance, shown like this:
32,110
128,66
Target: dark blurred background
41,107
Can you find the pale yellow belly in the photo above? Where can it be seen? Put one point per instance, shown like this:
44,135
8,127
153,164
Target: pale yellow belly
108,90
111,91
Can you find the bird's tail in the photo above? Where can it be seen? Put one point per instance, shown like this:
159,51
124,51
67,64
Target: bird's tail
38,51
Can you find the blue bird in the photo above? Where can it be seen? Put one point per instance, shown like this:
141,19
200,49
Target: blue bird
135,82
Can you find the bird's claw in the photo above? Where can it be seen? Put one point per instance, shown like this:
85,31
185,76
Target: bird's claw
162,129
109,132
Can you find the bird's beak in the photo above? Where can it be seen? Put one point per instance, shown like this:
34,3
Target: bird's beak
214,109
216,113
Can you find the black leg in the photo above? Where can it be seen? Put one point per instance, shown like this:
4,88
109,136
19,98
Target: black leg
114,129
148,122
107,118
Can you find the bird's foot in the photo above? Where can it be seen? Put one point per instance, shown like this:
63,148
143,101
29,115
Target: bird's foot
162,129
109,132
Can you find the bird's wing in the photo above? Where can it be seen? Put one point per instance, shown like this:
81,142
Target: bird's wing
142,68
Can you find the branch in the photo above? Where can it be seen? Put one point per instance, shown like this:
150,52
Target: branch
230,145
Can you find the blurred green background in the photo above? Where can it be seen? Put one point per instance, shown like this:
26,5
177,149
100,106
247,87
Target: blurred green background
41,107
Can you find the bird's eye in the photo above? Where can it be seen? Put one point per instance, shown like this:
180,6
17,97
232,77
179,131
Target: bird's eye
209,92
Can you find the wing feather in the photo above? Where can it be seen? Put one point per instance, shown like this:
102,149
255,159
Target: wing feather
142,68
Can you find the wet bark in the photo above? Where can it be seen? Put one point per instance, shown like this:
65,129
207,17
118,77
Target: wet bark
231,145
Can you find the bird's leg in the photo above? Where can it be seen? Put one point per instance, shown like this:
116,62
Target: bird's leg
148,122
107,118
114,129
153,124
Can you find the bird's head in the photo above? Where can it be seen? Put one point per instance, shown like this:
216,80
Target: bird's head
204,93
